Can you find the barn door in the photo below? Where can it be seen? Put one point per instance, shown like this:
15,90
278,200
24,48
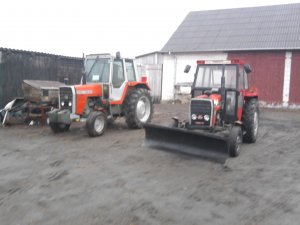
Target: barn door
154,75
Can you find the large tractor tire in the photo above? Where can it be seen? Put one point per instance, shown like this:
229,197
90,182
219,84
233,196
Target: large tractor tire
250,120
96,124
59,127
235,140
138,108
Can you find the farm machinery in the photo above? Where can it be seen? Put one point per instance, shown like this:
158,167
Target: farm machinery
223,113
109,89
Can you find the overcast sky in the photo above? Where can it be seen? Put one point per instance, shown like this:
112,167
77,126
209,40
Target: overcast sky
93,26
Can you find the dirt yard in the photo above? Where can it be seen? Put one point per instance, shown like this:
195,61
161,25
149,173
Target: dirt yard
72,179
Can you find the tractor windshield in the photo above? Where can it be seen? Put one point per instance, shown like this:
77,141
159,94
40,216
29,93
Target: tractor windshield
97,70
209,76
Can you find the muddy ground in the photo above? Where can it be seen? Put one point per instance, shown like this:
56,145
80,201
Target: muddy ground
72,179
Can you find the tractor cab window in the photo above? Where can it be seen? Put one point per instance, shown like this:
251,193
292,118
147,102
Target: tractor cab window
230,76
209,76
130,70
243,79
118,73
97,70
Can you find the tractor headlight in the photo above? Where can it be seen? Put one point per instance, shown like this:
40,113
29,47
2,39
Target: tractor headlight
62,103
194,116
206,117
70,104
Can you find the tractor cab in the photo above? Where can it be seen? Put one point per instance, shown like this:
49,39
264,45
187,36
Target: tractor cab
112,72
221,84
208,76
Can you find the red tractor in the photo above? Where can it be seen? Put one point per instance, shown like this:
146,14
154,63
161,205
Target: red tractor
223,113
109,89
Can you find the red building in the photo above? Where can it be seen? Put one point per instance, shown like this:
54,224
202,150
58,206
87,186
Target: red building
266,37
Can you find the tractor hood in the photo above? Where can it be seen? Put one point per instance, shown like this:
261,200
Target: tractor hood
215,97
89,89
83,92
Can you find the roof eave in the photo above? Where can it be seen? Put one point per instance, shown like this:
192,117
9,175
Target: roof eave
231,50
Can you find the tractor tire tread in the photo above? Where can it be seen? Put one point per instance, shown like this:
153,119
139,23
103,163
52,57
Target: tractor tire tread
233,149
55,127
90,124
130,104
250,107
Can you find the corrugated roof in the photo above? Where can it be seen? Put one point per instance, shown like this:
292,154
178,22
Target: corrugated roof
256,28
36,53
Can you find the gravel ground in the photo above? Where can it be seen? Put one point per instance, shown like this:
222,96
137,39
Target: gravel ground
70,178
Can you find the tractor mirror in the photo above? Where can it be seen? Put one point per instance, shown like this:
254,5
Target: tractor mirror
248,68
187,68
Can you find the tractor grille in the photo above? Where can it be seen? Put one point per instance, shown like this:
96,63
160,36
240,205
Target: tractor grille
201,112
66,98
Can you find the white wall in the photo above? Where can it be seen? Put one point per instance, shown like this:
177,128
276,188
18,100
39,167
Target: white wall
168,78
173,67
287,78
149,59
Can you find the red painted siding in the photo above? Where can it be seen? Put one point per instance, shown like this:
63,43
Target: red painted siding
267,72
295,79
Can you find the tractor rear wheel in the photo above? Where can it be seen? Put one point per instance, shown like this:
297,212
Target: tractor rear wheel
250,120
59,127
138,108
96,123
234,141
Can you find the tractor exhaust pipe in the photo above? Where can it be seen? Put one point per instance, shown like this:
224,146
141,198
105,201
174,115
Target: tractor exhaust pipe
223,94
83,81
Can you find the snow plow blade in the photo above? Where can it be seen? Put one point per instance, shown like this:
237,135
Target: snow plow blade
193,142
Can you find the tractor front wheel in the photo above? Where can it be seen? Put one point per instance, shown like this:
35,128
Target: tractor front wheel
138,108
59,127
234,141
96,124
250,120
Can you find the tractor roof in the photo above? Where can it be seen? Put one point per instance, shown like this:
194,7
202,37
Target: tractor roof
104,56
222,62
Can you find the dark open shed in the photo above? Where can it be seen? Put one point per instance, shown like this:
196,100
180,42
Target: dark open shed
18,65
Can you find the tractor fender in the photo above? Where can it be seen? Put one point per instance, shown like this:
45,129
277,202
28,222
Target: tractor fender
130,86
100,109
250,93
136,84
